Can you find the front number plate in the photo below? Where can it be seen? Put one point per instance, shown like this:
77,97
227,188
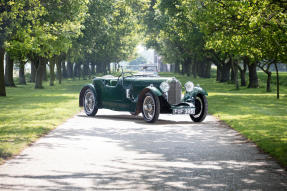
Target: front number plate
183,111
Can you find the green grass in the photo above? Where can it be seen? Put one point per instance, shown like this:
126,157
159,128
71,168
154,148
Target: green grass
26,113
257,115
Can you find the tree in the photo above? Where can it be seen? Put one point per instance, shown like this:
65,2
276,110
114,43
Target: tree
176,37
253,29
14,16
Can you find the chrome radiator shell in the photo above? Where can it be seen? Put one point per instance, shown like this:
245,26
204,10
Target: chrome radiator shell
174,93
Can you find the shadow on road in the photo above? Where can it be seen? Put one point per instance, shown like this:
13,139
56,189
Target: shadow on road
137,119
174,155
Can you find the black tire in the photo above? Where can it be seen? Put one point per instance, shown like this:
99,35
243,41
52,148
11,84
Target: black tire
90,102
201,108
150,107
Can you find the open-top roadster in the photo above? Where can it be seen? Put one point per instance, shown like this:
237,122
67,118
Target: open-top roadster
145,93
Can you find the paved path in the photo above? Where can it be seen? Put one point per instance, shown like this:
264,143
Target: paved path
116,151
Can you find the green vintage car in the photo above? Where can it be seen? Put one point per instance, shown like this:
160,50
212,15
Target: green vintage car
145,93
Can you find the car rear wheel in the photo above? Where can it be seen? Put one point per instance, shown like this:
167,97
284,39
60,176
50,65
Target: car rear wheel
201,108
150,107
90,103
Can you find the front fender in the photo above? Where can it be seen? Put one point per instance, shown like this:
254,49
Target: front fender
82,93
197,90
152,89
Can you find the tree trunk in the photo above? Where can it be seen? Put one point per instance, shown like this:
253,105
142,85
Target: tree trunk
93,69
64,68
52,71
277,81
9,81
39,74
45,78
242,74
33,72
218,72
235,73
225,72
85,71
108,68
59,70
268,85
253,78
232,76
203,68
176,68
70,70
22,78
2,79
187,67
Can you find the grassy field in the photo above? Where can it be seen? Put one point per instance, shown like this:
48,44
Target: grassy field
257,115
26,113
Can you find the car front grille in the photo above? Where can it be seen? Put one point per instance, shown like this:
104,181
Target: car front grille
174,93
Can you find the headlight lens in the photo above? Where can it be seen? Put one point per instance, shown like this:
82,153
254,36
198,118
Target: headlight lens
189,86
164,86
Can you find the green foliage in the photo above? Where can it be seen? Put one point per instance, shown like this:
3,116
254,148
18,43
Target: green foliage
110,32
244,28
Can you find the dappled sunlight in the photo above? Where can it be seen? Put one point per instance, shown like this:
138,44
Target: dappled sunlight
118,151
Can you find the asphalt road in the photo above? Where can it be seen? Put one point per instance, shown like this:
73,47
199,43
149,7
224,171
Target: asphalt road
117,151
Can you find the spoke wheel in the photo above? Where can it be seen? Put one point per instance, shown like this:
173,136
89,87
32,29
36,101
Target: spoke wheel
201,108
150,107
90,103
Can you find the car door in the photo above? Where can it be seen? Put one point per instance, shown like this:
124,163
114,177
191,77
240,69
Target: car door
114,95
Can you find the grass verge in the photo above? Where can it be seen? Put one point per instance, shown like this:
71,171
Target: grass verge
26,114
257,115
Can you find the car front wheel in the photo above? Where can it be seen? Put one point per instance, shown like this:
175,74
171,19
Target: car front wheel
150,107
201,108
90,103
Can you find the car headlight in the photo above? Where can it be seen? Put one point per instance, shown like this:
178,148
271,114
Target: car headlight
164,86
189,86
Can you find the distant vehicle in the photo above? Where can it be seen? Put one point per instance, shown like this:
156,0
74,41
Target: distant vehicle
144,92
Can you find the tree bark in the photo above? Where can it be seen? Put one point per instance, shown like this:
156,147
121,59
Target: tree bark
64,68
39,74
52,71
176,68
70,70
33,72
277,81
253,78
268,85
242,74
85,70
187,67
218,72
9,81
22,78
2,79
225,72
45,78
235,72
59,70
93,69
232,76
